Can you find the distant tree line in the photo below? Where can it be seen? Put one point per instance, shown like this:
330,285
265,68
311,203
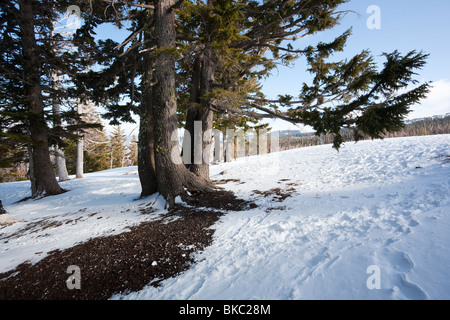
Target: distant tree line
417,127
101,151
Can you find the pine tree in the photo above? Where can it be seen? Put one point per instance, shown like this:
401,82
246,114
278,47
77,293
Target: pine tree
30,58
97,150
117,147
152,56
228,57
96,142
214,25
127,72
367,100
212,63
172,177
133,151
23,47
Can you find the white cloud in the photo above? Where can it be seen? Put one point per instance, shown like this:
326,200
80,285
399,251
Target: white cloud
437,102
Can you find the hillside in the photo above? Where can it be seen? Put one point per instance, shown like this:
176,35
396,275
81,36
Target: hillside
322,221
439,124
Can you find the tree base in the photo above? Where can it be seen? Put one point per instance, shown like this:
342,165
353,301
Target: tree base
219,199
2,210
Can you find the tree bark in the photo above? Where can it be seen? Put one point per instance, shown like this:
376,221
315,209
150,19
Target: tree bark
201,142
146,157
146,143
44,177
191,116
172,176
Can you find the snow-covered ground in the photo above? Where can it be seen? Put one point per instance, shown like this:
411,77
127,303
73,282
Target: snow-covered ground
377,212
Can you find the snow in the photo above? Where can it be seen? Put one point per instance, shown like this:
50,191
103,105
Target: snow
6,219
378,205
102,203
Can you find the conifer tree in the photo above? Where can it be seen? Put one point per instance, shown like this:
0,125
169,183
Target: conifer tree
172,177
368,100
214,25
26,60
209,57
117,146
133,151
97,150
126,74
30,58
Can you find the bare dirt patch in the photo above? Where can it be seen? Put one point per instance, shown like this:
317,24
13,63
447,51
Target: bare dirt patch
148,253
444,157
224,181
278,194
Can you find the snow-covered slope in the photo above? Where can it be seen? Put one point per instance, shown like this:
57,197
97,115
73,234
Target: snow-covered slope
331,226
100,204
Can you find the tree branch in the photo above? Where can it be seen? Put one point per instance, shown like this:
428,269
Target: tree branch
131,4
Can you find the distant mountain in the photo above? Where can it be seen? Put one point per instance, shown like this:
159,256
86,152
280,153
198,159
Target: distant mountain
432,118
292,133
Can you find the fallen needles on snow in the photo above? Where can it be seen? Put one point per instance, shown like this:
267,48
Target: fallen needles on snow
146,254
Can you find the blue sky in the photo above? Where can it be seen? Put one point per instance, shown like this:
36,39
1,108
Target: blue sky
404,26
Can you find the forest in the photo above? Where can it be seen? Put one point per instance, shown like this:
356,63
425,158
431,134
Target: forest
183,63
142,133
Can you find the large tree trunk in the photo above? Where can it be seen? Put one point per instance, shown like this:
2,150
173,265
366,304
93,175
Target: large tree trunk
172,176
189,141
44,177
146,144
201,139
146,156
